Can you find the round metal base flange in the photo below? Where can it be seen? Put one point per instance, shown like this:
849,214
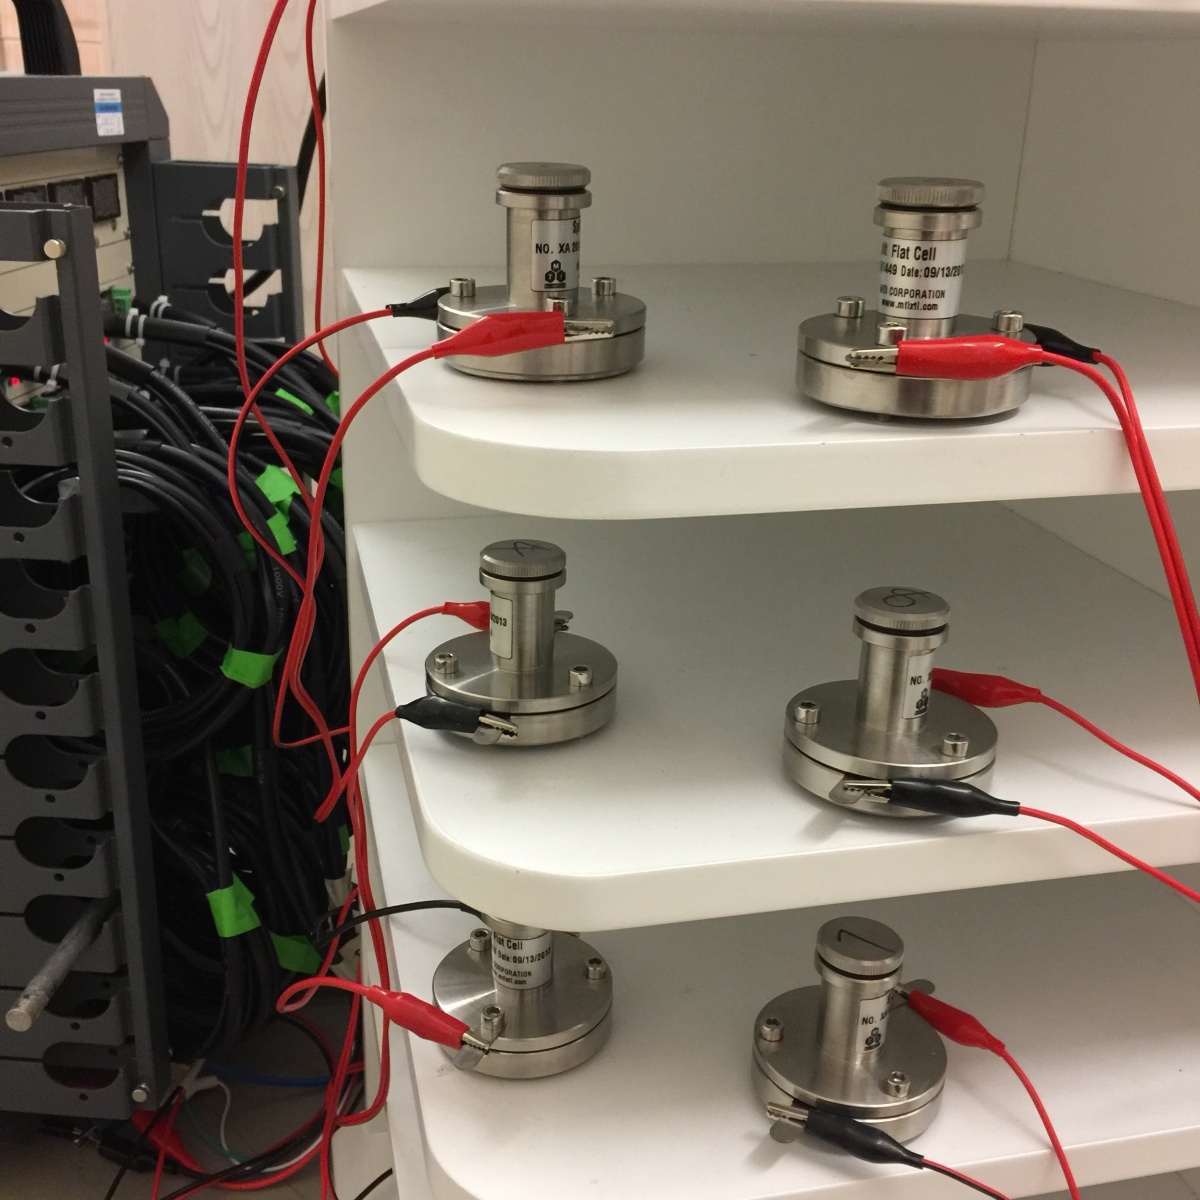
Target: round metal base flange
546,1030
545,706
578,359
793,1069
822,374
821,755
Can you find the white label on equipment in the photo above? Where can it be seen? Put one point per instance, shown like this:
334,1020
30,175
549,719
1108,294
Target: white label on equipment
916,686
555,255
110,118
521,964
501,635
872,1023
921,279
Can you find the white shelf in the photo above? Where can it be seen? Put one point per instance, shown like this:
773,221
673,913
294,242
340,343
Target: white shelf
680,810
711,423
666,1112
1079,17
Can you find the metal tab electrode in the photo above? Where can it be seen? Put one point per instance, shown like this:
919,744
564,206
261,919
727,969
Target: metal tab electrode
846,1044
551,684
542,1000
606,329
922,260
889,722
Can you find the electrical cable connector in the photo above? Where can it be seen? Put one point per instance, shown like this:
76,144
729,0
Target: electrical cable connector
1057,342
425,306
449,716
410,1012
984,691
986,357
504,333
860,1140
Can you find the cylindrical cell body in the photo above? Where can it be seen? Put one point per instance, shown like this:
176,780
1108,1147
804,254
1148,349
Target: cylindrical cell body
522,576
859,963
544,202
924,251
522,955
900,629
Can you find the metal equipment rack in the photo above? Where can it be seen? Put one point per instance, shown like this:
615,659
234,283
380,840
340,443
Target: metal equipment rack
74,828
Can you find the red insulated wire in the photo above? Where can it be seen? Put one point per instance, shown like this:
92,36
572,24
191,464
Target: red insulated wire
164,1139
991,356
249,406
1105,844
966,1030
239,191
469,611
969,1180
996,691
1121,748
239,212
319,129
1155,501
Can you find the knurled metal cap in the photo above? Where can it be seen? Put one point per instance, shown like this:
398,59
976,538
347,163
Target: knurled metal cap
901,609
860,946
923,191
522,558
543,177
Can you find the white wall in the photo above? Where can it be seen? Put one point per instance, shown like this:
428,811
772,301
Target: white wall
200,54
1110,182
704,146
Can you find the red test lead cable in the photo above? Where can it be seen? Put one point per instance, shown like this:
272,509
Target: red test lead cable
966,1030
990,356
995,691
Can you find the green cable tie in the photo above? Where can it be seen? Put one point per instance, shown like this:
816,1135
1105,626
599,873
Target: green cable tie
344,838
335,479
249,547
278,487
278,525
182,637
238,762
233,909
284,394
247,667
296,953
195,575
333,402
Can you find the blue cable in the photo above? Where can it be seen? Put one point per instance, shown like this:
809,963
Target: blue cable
238,1075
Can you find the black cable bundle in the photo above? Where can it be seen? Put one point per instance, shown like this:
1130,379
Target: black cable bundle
241,865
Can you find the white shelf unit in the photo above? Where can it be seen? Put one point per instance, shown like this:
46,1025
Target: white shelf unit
667,1110
712,425
734,146
679,810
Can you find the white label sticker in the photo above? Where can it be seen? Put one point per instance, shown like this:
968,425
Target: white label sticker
916,686
501,635
555,255
872,1023
921,279
522,964
110,118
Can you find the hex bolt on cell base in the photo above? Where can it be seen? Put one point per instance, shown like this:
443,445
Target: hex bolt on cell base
847,1044
889,722
543,1000
923,254
606,329
551,684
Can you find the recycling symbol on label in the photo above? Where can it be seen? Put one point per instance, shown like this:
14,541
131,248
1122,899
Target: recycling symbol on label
556,274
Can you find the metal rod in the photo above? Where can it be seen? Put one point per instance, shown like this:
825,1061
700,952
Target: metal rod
41,988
